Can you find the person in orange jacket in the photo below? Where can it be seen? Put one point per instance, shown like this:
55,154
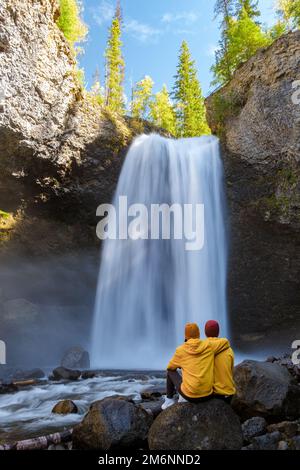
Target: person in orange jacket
196,360
224,386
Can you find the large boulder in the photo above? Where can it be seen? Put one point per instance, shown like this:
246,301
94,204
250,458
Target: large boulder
265,389
112,423
76,358
259,125
211,425
65,407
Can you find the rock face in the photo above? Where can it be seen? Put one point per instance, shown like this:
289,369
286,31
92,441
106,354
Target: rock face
258,120
207,426
265,389
76,358
111,423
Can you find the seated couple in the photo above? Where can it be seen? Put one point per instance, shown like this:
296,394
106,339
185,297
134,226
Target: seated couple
207,367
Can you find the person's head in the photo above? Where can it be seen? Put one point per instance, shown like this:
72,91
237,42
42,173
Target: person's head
191,331
212,329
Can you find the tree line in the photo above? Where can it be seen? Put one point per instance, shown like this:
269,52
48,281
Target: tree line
180,111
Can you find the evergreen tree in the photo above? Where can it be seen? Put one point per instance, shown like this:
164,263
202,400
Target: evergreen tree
251,8
224,9
244,37
70,22
189,101
289,13
162,112
114,92
97,91
141,96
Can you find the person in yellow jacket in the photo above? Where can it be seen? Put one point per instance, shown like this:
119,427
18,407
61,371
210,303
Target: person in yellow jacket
196,360
224,386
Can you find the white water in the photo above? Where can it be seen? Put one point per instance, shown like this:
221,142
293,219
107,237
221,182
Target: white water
148,289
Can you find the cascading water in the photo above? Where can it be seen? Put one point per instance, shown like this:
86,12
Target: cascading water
148,289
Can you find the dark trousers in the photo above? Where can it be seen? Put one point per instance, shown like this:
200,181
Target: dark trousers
174,381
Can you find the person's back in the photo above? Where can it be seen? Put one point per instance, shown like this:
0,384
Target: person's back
224,363
196,360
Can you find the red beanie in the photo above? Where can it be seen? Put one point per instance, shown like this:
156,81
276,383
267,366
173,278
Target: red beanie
212,329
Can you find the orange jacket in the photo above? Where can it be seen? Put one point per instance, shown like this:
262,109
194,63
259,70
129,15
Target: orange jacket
196,359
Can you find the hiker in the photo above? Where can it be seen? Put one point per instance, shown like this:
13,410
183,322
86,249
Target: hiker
196,360
224,386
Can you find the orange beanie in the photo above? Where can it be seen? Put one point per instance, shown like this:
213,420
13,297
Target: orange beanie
192,331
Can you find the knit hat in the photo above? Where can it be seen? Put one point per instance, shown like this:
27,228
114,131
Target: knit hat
192,331
212,329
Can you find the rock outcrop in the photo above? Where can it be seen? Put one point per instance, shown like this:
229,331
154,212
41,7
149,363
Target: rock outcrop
257,116
76,358
265,389
112,423
206,426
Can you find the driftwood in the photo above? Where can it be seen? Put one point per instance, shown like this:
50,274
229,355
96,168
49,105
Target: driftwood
23,383
39,443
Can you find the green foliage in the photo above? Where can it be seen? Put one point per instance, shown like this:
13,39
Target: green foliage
97,92
141,98
71,24
250,7
115,65
289,13
4,215
241,39
189,101
162,112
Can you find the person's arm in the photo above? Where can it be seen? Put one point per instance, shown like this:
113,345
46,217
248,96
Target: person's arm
175,362
219,345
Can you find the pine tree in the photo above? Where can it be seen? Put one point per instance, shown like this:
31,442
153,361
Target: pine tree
162,112
189,101
114,91
244,37
251,8
141,96
70,22
97,91
289,13
224,9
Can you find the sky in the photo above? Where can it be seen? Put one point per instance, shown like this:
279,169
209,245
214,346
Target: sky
152,33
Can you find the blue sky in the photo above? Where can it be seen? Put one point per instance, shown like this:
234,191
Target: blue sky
153,32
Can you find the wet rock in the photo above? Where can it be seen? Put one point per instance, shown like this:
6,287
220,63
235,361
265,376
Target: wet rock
76,358
8,388
65,407
254,427
267,441
112,423
212,425
265,389
88,374
151,394
152,407
62,373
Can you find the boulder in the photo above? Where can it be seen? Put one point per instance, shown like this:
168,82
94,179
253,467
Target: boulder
62,373
254,427
76,358
265,389
112,423
88,374
65,407
288,428
295,443
29,374
211,425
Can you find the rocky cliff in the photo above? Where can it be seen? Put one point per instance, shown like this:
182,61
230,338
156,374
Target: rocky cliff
258,120
60,157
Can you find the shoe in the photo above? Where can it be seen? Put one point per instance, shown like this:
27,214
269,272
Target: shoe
182,400
167,403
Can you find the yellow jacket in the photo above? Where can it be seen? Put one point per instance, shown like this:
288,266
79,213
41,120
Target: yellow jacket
196,359
223,372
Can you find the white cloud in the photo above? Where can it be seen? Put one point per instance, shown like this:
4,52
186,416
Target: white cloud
211,50
186,17
140,31
103,13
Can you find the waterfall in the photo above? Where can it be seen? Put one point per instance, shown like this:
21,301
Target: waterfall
149,288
